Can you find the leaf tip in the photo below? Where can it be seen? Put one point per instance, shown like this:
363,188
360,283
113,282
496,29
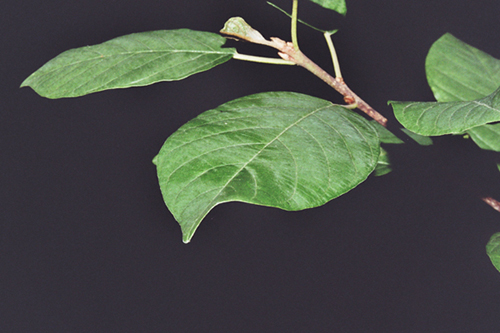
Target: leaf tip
26,82
186,237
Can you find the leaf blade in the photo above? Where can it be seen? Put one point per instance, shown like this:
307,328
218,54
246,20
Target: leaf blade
487,136
129,61
284,150
457,71
440,118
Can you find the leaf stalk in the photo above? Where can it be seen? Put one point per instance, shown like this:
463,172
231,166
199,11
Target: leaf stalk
295,11
333,53
262,60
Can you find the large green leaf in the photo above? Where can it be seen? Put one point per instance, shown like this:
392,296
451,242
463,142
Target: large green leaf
457,71
277,149
133,60
434,118
337,5
493,250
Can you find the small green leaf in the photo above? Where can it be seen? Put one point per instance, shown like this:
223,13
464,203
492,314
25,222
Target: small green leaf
420,139
337,5
435,118
383,164
239,28
385,135
457,71
486,136
278,149
493,250
133,60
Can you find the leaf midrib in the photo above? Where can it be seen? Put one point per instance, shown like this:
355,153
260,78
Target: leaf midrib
452,105
167,52
214,202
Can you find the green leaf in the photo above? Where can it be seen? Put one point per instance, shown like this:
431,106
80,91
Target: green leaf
493,250
133,60
239,28
420,139
383,164
278,149
486,136
457,71
337,5
385,135
434,118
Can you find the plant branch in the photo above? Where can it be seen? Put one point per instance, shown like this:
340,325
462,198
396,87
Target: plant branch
288,52
493,203
291,54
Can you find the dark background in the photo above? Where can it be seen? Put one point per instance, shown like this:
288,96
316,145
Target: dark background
87,244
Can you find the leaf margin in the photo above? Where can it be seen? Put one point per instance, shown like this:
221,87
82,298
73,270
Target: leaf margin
48,71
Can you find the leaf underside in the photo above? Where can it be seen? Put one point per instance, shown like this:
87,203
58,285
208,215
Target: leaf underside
337,5
278,149
493,250
133,60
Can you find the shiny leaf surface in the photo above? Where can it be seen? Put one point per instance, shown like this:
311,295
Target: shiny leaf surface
133,60
435,118
278,149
